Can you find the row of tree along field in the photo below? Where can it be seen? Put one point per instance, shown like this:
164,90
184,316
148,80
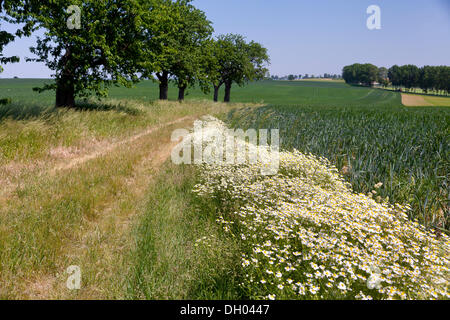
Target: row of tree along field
293,77
124,42
434,79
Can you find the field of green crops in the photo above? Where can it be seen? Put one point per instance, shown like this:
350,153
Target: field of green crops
406,149
333,93
366,133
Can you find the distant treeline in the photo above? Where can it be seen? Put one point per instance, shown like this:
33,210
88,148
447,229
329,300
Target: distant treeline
427,78
292,77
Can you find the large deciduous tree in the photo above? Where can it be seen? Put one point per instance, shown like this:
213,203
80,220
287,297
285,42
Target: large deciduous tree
236,61
365,74
382,76
195,31
88,58
395,76
174,34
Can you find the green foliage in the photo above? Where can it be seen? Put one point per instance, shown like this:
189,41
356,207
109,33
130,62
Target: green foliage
6,37
435,78
239,61
407,76
365,74
175,32
195,30
232,60
91,58
382,76
5,101
427,78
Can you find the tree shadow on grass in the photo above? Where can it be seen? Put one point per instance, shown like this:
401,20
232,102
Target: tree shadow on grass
27,111
20,111
106,106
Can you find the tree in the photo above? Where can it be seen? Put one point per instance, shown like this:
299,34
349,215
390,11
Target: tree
368,74
394,74
88,59
213,53
174,33
194,33
427,78
236,61
291,77
382,76
349,73
443,78
365,74
410,75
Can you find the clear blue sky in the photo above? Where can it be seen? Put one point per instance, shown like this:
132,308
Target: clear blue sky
318,36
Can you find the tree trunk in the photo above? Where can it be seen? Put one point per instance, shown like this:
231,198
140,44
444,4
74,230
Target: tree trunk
216,93
227,92
65,86
163,85
181,91
65,93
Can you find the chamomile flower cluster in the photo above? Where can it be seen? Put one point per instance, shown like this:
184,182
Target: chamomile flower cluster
306,235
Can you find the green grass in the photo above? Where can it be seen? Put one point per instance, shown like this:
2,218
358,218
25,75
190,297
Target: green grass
169,262
81,215
438,101
404,148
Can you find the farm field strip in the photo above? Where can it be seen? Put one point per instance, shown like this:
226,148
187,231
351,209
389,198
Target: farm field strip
409,100
415,100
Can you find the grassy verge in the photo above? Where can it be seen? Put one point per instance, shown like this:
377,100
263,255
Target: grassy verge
181,252
30,132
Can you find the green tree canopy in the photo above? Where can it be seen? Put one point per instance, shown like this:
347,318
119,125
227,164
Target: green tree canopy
90,58
236,61
365,74
435,78
174,33
194,33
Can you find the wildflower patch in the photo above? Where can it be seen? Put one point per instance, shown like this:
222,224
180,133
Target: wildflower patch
306,235
211,142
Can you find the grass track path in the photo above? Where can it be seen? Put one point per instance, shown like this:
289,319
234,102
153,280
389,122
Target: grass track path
106,148
103,240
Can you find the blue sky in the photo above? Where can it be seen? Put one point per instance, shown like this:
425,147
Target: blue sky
317,36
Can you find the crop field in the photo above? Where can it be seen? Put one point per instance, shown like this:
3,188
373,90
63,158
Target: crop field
333,93
95,187
405,149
